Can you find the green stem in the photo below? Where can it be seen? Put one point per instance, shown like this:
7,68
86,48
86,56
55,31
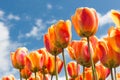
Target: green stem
44,76
64,64
35,76
83,72
56,70
111,74
115,73
51,77
93,66
20,74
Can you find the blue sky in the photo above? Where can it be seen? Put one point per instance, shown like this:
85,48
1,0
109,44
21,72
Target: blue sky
24,22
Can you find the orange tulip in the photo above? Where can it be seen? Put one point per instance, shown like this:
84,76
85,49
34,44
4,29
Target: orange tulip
25,72
107,55
114,38
44,52
50,45
116,17
10,77
51,64
85,21
34,61
18,57
79,51
63,33
102,71
60,33
73,69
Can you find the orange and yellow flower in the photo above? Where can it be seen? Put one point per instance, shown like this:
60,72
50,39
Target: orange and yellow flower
51,64
115,15
73,69
18,57
78,50
34,61
107,55
25,72
114,38
85,21
50,46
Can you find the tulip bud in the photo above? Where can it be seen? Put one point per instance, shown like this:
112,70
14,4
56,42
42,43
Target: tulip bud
73,69
18,57
85,21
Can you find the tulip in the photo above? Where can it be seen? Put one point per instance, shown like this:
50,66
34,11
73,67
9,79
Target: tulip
50,45
114,38
62,31
102,71
10,77
18,58
73,69
78,50
115,15
85,21
45,54
25,72
51,65
108,57
34,61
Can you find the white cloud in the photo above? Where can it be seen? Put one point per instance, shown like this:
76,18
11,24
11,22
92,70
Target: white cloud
104,19
6,47
1,13
37,30
13,17
4,43
51,21
49,6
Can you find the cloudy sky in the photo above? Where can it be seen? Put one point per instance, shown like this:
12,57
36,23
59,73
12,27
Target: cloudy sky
24,22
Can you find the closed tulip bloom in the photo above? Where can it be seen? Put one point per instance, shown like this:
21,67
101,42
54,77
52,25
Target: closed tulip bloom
18,57
114,38
49,44
72,49
10,77
73,69
44,52
25,72
102,72
108,57
51,64
85,21
79,51
115,15
63,33
34,61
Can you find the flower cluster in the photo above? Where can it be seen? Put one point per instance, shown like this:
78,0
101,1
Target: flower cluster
98,57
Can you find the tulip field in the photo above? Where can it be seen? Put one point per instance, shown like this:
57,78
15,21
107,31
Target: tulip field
98,57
